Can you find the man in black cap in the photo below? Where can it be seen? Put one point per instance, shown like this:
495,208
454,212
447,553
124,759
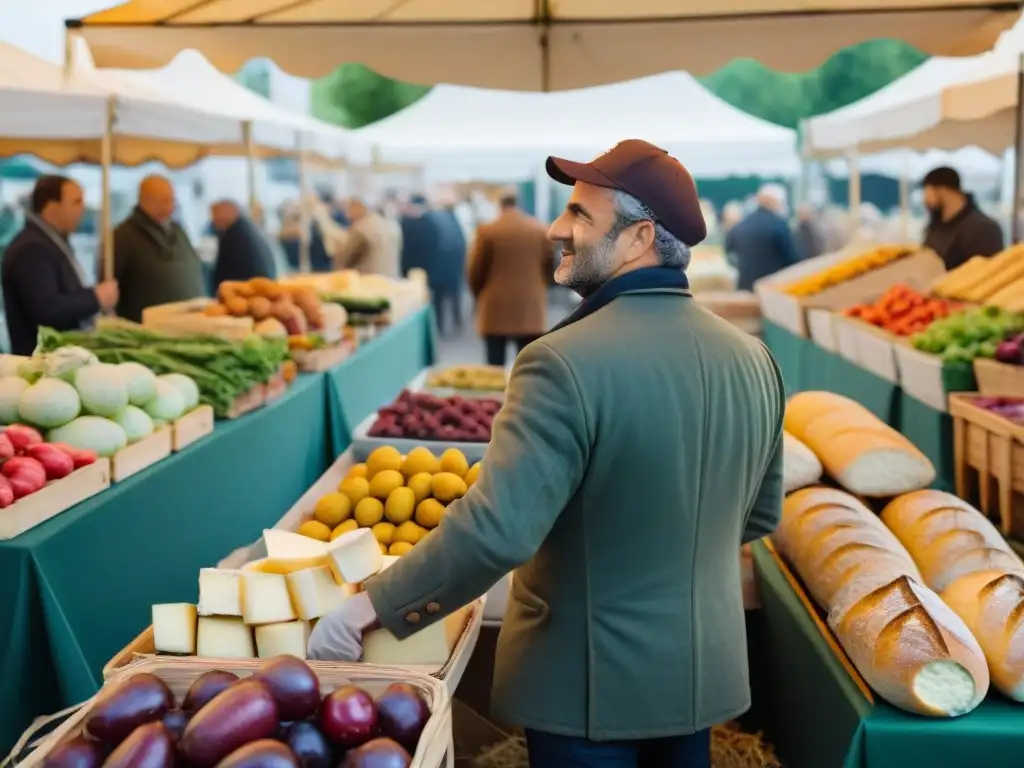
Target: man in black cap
957,229
639,446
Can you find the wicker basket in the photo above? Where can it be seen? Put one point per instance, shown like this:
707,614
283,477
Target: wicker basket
435,746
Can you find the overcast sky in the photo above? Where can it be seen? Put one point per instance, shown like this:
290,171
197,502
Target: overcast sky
38,27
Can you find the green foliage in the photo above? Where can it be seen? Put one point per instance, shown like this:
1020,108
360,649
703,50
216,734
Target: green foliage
354,96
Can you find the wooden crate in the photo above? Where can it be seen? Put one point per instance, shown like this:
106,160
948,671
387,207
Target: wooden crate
435,745
145,453
920,375
821,325
194,425
876,349
988,450
58,496
318,360
249,402
185,318
994,377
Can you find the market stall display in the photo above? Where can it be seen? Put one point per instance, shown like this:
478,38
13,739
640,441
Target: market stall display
998,280
372,301
858,450
908,645
282,712
477,378
422,418
848,269
901,311
225,372
800,467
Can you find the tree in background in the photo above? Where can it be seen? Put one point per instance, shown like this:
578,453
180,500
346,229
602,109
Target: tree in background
354,96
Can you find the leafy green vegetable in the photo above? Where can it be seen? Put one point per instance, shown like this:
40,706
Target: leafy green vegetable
223,370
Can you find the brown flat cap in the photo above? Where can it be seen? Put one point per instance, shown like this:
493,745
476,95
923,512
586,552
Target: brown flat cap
648,173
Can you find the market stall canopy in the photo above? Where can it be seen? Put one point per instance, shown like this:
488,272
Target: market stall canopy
528,45
977,168
459,133
191,78
942,104
63,120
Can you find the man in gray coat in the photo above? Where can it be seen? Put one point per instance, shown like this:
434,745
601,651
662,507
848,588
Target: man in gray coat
639,446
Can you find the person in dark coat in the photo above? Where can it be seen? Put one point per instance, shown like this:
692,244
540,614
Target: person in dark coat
242,251
448,280
810,237
43,283
425,240
958,229
762,243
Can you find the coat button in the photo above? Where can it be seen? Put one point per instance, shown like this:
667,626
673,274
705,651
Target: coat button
412,618
433,608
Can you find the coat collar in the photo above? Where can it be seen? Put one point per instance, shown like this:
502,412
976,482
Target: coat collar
647,280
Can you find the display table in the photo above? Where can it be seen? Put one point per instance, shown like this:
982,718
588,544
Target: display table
376,373
817,717
805,366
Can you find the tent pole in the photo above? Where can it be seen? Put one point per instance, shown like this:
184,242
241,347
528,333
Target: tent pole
250,167
853,189
106,160
69,53
905,200
1018,141
305,214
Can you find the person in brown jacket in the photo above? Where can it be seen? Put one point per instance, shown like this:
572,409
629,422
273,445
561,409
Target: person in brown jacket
510,268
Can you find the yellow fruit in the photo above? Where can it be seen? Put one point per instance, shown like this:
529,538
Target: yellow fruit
384,532
369,512
447,487
420,460
429,513
332,508
385,457
357,470
348,525
473,475
315,530
399,548
400,505
453,460
356,488
419,484
384,482
383,548
409,532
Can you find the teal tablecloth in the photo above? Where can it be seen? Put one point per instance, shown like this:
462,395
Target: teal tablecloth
75,590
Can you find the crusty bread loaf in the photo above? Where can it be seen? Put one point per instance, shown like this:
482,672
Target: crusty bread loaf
991,603
800,467
947,537
863,454
907,644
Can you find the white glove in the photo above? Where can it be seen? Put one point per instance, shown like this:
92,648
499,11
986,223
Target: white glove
338,636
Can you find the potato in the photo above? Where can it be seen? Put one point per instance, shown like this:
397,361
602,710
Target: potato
295,322
275,291
228,290
238,306
245,290
282,308
259,307
260,285
216,310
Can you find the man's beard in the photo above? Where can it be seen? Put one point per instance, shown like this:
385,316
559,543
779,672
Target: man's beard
591,266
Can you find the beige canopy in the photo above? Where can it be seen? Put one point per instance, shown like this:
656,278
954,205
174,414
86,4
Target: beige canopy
528,44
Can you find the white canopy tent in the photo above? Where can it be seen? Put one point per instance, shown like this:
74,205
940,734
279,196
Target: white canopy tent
459,133
532,46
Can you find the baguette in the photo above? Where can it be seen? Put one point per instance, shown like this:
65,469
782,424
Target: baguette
906,643
991,603
864,455
800,467
947,537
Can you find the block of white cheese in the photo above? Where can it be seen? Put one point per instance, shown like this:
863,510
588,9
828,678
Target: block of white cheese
265,598
174,628
315,592
285,545
285,565
220,592
430,646
389,560
222,637
287,637
355,556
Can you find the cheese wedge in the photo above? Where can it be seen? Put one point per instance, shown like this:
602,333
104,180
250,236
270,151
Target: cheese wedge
220,592
284,566
431,646
285,545
288,637
355,556
265,598
224,638
315,592
174,628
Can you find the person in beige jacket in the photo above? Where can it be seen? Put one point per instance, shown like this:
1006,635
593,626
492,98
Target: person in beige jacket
510,268
370,245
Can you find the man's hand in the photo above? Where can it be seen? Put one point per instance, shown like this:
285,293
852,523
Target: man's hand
107,295
338,636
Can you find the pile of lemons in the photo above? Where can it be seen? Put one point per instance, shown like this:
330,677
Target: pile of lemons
400,498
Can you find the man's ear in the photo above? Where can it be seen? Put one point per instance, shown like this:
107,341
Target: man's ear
643,240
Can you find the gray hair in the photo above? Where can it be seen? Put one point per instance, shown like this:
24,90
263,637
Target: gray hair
628,210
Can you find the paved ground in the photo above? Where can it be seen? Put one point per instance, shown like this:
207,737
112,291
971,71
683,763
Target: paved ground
467,348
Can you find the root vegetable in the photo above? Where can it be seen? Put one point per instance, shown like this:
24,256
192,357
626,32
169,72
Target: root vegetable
259,307
79,456
6,448
22,437
26,475
55,462
238,307
6,492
